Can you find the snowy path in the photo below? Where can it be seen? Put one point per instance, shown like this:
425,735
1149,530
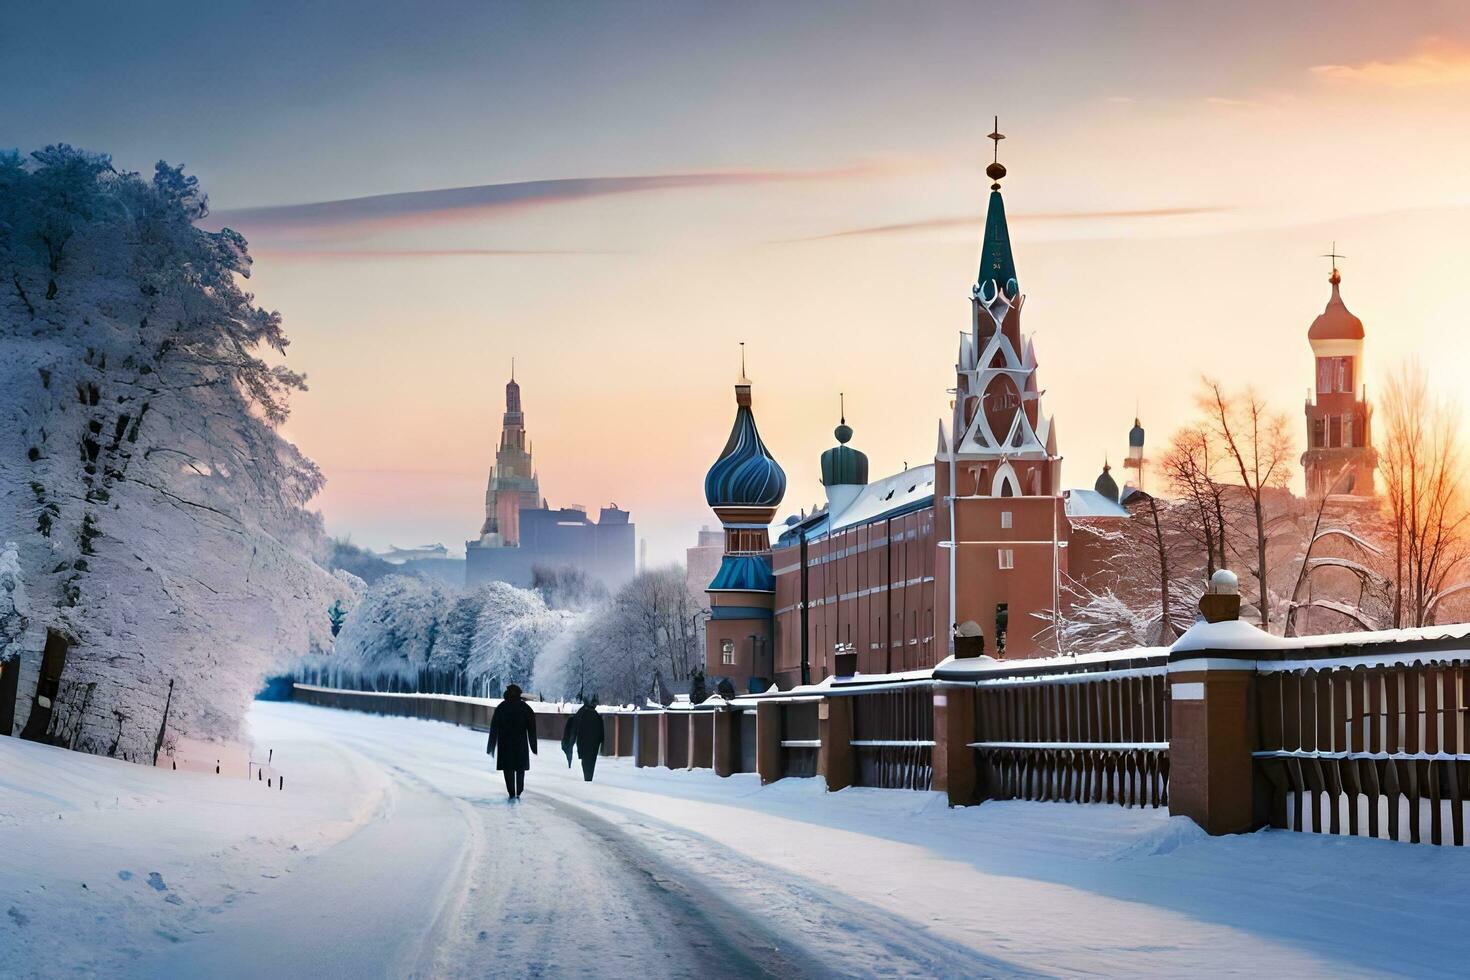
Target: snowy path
394,853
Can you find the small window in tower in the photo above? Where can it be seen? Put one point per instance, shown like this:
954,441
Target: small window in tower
1343,383
1005,520
1317,434
1334,434
1007,558
727,651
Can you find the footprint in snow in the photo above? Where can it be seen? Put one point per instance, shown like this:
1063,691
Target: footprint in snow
173,899
155,882
17,916
125,875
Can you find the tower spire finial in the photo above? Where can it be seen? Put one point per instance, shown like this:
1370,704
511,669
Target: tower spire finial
512,367
743,378
1336,276
842,408
996,170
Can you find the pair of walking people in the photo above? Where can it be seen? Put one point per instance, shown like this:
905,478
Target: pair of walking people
513,739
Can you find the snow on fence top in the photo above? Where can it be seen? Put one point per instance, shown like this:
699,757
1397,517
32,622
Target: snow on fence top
1377,648
1133,661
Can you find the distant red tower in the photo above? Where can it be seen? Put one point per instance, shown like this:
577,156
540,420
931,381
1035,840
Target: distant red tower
1340,458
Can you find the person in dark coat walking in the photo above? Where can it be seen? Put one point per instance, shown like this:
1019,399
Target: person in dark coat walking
512,739
584,729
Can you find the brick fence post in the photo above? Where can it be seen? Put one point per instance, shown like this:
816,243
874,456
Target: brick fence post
768,741
1212,735
1212,715
954,729
836,758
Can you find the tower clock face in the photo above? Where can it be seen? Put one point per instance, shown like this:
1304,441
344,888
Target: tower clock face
1001,401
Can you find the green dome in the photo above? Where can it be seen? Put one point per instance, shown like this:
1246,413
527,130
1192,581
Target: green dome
843,465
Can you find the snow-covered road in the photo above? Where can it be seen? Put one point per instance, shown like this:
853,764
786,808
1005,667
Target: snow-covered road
394,853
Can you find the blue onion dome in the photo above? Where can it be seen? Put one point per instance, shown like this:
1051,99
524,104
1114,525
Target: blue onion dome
745,475
1135,434
1106,485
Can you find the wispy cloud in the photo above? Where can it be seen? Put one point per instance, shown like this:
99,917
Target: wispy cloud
1438,61
349,254
977,220
412,207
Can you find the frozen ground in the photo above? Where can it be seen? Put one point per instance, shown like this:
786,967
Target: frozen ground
392,852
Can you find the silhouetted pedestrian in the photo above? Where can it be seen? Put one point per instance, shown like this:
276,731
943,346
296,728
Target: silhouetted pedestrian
584,729
512,739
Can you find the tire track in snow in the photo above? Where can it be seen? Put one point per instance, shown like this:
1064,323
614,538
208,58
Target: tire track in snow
846,937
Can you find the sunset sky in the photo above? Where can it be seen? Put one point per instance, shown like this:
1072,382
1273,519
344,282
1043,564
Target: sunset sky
804,177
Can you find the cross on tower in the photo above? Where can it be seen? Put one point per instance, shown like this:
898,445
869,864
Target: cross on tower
1334,256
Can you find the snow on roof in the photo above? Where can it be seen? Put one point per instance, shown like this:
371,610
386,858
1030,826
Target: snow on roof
1089,503
912,487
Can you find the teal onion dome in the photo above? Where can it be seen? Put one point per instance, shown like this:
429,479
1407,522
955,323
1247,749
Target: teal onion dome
1135,435
1106,485
745,475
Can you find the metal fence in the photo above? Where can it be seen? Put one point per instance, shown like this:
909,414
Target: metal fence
1374,750
893,735
1076,733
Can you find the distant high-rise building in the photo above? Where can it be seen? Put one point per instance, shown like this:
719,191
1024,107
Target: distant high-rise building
702,561
522,534
1340,458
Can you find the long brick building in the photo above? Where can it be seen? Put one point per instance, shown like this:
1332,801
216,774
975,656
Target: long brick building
883,575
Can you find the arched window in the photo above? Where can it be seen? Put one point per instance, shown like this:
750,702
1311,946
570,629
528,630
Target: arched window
1006,483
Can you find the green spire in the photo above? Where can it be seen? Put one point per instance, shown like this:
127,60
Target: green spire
996,263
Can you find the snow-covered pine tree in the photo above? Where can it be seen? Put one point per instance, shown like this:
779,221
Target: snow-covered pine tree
161,517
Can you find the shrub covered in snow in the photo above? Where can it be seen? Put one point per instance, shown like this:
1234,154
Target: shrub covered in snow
160,517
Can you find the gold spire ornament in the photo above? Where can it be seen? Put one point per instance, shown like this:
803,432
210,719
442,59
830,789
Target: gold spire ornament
996,170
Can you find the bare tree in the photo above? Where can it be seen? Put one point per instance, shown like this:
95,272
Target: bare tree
1424,495
1370,584
1257,446
1190,466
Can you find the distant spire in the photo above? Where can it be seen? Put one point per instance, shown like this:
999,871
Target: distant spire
843,432
512,367
743,378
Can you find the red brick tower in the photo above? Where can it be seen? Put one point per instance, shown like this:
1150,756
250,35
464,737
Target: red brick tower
1340,458
998,512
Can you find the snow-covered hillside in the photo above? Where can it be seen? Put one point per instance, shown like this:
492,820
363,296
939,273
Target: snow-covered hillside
161,520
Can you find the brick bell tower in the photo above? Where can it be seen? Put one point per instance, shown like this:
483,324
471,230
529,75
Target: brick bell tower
1340,459
743,487
996,472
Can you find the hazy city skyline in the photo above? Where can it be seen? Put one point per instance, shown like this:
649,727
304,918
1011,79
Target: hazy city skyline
642,187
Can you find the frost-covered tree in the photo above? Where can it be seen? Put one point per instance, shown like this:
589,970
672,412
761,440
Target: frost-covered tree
12,602
513,627
395,629
161,517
